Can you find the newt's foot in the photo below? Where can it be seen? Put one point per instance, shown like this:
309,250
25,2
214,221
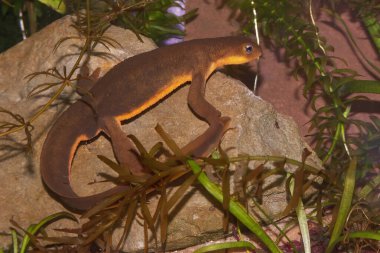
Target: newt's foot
86,81
131,162
209,140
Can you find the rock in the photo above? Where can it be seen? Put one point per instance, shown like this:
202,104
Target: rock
256,129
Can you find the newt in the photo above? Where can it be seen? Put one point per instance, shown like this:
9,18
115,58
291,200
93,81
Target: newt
125,92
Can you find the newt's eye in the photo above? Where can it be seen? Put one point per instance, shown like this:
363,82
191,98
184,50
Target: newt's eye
249,49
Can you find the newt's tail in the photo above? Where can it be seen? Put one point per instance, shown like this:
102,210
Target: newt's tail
58,152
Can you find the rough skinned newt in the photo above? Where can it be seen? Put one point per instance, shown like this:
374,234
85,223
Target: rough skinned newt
126,91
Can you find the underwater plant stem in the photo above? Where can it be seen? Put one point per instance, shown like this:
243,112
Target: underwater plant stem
315,26
340,132
254,14
32,16
64,84
234,207
67,82
323,72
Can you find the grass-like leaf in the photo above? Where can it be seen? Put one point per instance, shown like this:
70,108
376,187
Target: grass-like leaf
344,206
234,207
226,197
35,228
302,222
297,192
372,185
226,246
373,27
360,86
169,141
115,166
14,241
57,5
176,196
371,235
131,213
148,219
164,219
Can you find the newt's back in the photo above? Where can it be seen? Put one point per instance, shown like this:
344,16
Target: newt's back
142,80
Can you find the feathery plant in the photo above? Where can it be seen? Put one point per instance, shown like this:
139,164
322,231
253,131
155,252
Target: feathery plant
287,24
290,24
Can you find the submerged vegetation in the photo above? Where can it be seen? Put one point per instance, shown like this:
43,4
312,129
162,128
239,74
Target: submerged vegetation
348,147
351,158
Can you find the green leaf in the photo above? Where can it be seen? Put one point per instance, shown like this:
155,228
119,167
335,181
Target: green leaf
364,235
373,27
371,185
345,205
225,246
57,5
166,30
234,207
34,229
302,221
360,86
14,241
372,235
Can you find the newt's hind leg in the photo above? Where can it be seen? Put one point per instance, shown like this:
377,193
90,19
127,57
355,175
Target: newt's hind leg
123,147
210,139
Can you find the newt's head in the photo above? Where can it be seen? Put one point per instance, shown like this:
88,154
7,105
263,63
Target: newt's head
235,50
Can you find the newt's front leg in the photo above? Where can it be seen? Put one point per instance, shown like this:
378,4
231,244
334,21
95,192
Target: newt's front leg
86,81
210,139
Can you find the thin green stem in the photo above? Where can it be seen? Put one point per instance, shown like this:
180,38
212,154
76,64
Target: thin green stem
339,133
234,207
